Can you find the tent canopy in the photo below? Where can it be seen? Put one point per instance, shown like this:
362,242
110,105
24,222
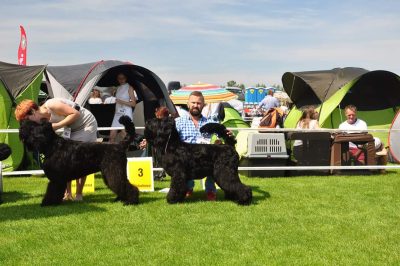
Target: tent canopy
372,90
16,84
77,81
376,94
16,78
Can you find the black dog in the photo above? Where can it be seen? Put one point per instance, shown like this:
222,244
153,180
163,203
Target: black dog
65,160
5,151
184,161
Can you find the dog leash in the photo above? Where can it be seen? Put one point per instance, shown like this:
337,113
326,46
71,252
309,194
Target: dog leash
166,145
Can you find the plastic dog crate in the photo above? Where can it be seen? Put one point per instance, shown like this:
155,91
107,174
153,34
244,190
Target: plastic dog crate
265,149
267,145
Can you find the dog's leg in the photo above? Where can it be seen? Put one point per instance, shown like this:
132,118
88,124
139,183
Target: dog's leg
131,194
54,193
229,181
177,191
116,179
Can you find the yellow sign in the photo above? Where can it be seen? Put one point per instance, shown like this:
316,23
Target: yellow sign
140,173
87,188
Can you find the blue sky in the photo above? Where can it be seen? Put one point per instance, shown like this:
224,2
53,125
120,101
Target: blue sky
208,41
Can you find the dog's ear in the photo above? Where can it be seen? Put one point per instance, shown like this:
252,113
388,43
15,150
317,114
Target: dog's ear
43,134
150,129
25,133
36,136
47,129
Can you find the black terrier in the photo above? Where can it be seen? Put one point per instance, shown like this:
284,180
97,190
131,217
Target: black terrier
5,151
66,160
184,161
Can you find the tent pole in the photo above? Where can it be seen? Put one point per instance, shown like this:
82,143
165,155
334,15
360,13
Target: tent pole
291,91
340,113
84,79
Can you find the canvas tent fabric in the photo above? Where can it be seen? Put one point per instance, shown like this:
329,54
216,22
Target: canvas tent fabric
16,84
314,87
376,94
231,118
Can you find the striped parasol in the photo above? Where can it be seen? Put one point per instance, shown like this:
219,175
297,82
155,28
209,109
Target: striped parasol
212,93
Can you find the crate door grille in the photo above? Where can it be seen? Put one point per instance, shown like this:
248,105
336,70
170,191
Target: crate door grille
268,145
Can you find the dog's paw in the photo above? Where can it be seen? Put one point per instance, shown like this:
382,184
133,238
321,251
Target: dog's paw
129,203
246,197
47,203
117,199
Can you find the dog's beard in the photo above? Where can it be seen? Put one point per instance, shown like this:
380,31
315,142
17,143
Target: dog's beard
195,111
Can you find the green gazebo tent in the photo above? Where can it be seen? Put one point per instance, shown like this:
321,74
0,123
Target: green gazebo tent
16,84
375,93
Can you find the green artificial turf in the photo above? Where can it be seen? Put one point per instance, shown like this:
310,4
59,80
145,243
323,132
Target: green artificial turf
302,220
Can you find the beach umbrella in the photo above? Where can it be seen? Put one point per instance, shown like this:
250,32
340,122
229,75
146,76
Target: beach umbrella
212,93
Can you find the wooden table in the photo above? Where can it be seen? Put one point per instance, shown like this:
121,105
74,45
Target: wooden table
340,148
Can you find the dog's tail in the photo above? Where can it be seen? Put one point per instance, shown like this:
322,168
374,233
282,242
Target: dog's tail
220,130
130,130
5,151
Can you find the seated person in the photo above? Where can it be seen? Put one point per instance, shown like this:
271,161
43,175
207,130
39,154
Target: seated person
95,97
354,123
308,120
110,99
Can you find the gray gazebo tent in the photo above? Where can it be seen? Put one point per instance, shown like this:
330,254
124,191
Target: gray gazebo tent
76,82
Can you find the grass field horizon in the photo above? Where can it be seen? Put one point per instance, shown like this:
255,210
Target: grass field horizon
301,220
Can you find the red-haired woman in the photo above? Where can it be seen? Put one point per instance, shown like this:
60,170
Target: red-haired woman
78,123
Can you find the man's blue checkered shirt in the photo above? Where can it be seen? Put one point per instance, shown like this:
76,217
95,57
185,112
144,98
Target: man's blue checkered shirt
187,130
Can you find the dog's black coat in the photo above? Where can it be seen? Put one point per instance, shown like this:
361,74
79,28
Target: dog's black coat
184,161
5,151
65,160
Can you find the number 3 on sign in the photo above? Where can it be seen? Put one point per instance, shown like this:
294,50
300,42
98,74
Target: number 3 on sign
140,173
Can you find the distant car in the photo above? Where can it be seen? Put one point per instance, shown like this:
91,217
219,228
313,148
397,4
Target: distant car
238,91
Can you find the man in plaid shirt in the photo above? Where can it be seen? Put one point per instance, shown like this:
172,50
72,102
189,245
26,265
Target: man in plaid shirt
189,131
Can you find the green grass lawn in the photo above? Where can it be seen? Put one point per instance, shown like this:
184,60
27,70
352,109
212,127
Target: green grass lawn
302,220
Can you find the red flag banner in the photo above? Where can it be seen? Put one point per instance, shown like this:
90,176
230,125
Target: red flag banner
23,43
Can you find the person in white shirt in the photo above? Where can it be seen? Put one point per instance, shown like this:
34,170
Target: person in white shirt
95,98
109,100
125,100
356,125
